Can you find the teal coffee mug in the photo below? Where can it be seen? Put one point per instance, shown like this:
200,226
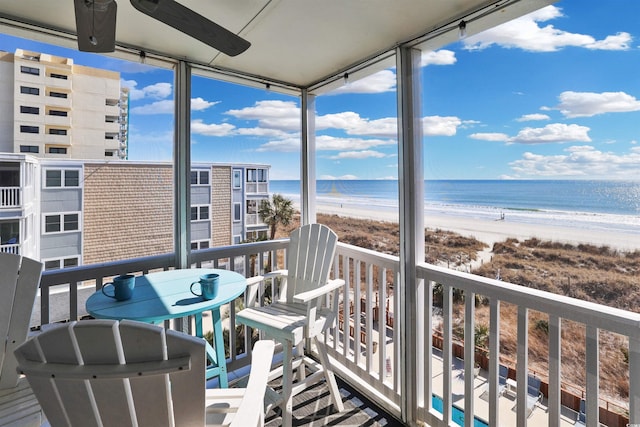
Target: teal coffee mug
122,287
208,286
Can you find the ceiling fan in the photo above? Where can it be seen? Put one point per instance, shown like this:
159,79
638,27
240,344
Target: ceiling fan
96,25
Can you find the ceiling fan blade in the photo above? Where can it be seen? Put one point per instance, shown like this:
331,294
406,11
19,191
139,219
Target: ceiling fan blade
197,26
96,25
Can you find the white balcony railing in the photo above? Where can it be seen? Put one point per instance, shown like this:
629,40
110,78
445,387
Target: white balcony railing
369,356
10,197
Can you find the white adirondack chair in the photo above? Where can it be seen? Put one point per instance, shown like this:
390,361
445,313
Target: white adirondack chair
19,281
110,373
300,312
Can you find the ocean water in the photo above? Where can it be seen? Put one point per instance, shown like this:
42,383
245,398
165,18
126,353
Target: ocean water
596,205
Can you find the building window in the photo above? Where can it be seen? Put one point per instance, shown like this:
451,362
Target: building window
199,213
199,177
256,175
29,129
57,131
29,149
252,207
109,153
200,244
237,239
55,264
29,110
237,211
58,95
29,90
29,70
237,178
58,113
57,150
61,222
62,178
59,76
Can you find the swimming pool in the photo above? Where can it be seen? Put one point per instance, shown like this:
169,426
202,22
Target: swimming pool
457,414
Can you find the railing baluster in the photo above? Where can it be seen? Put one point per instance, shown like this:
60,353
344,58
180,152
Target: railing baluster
555,359
522,366
447,351
593,376
427,362
494,360
634,384
469,356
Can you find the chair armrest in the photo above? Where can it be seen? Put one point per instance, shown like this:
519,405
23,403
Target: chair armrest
331,285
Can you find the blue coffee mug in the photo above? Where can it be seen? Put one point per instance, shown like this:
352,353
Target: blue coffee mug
122,287
208,286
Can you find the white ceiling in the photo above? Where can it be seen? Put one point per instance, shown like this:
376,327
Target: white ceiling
294,43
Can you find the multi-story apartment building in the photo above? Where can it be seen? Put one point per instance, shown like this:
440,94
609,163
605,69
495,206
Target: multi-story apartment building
68,196
73,212
53,108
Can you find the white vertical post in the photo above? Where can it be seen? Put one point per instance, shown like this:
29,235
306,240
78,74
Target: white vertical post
182,173
469,356
411,202
634,383
593,376
308,158
494,360
522,366
182,163
555,359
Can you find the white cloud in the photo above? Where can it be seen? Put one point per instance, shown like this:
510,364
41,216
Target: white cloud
438,57
555,132
440,126
526,33
155,91
200,128
380,82
489,136
199,104
282,115
587,104
166,106
364,154
579,161
353,124
159,107
552,133
532,117
326,143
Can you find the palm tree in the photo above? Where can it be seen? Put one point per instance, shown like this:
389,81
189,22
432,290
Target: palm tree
278,210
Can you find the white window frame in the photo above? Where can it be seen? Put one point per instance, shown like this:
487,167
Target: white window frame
237,179
199,244
63,178
60,262
237,207
60,215
198,180
199,207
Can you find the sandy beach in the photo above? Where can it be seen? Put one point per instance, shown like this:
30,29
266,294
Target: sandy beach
491,231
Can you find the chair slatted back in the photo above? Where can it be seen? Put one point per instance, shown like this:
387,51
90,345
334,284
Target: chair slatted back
309,257
19,281
115,379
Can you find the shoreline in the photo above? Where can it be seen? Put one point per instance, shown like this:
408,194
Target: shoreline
492,231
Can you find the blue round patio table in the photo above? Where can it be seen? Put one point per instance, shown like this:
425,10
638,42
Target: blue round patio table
166,295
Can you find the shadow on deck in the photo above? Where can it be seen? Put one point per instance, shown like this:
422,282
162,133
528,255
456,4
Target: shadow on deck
313,407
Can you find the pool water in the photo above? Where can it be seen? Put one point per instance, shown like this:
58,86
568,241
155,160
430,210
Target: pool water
457,414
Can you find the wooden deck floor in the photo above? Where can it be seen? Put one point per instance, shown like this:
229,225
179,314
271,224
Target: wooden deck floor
313,408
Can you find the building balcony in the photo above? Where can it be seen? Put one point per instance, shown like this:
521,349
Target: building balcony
370,357
53,101
10,197
58,83
57,120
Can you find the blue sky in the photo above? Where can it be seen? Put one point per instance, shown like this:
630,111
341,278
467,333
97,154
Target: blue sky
553,95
